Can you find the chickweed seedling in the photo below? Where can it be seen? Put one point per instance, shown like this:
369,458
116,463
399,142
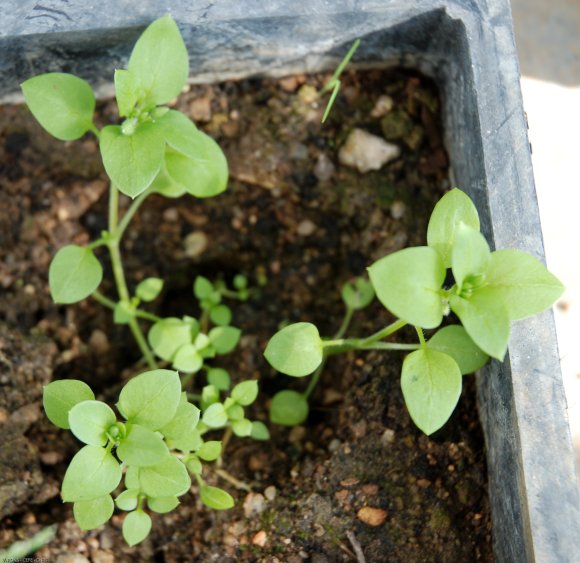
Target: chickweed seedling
490,290
154,448
155,150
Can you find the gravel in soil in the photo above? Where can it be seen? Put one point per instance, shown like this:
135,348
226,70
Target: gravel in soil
358,478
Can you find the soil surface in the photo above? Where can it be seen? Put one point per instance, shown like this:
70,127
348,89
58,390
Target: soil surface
359,480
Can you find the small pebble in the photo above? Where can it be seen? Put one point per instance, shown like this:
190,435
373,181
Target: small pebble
334,445
383,105
297,434
324,168
200,109
254,503
195,244
288,84
99,341
260,538
270,492
306,228
398,209
366,152
307,94
388,437
171,215
372,516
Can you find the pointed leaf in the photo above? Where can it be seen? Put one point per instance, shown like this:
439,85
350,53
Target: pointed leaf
219,378
215,416
151,399
184,422
149,289
128,500
62,103
59,397
525,285
92,473
431,383
260,431
166,479
220,315
142,447
242,428
90,514
485,318
132,161
128,91
454,341
453,208
136,527
408,284
215,498
224,338
179,133
245,393
74,274
358,294
90,420
210,451
160,61
470,255
187,359
295,350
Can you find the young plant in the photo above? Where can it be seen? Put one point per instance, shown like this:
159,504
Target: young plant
153,449
154,150
489,290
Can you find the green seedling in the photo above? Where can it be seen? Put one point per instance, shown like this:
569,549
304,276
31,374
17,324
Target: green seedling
147,455
489,291
158,440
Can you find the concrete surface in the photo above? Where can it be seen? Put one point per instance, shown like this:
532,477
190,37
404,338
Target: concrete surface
548,42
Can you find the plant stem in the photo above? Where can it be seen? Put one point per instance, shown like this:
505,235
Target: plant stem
110,304
130,213
383,333
119,273
421,336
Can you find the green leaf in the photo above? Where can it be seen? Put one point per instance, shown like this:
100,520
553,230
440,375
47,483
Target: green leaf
209,396
166,479
149,289
136,527
431,383
151,399
215,416
242,428
160,61
288,408
219,378
358,294
470,256
128,91
220,315
162,505
523,283
132,161
187,359
210,451
166,186
93,472
234,411
184,422
193,465
245,393
132,478
90,514
486,320
90,420
168,335
224,338
186,442
179,133
202,287
453,208
240,281
206,174
408,284
259,431
454,341
123,313
62,103
74,274
295,350
128,500
216,498
142,447
59,397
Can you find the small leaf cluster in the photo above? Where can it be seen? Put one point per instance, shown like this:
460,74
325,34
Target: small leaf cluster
488,292
187,343
153,447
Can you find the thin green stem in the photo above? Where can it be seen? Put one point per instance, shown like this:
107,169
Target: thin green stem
105,301
421,336
130,213
345,323
119,275
93,128
383,333
314,379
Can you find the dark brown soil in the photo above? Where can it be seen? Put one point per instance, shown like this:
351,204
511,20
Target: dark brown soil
316,489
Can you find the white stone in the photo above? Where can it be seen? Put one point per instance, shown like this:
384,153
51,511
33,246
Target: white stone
366,152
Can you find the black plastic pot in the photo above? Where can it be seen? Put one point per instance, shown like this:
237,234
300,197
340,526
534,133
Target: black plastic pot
468,47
